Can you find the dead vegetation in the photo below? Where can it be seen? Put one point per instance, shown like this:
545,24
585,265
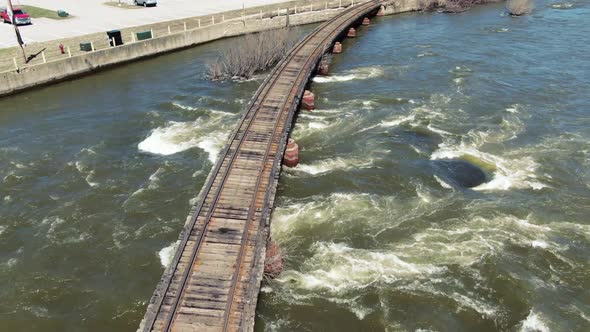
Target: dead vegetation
451,6
252,54
520,7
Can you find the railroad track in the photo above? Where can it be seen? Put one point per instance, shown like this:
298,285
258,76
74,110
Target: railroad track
213,281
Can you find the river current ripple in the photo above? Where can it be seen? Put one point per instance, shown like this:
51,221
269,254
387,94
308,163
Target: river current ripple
444,182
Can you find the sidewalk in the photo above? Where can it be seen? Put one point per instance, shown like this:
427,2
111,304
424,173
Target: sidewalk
46,51
91,16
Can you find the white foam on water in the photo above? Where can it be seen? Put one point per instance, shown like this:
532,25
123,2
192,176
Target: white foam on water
266,289
2,229
460,70
89,151
337,268
221,113
484,309
135,193
316,125
166,254
418,151
525,224
89,177
515,108
79,167
362,73
304,129
438,131
305,115
442,183
368,104
423,194
155,177
180,136
11,177
534,323
467,240
174,138
184,107
193,201
415,117
53,222
329,165
153,183
426,54
392,122
11,262
507,173
212,145
539,244
86,170
563,5
337,209
59,232
7,198
38,311
19,166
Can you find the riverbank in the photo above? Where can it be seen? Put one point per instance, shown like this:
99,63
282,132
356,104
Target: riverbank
182,36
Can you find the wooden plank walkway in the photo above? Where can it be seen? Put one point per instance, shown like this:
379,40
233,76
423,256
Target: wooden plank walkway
213,281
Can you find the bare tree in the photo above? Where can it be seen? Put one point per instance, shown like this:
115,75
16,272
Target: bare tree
520,7
252,54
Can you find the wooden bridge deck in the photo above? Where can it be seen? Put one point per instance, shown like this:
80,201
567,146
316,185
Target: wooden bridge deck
213,281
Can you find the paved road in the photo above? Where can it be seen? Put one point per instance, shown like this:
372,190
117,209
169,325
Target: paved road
93,16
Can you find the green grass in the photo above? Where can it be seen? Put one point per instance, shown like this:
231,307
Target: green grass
122,5
36,12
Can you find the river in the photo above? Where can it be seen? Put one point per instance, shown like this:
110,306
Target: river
444,182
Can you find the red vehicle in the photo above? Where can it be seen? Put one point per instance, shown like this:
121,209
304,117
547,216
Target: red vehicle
20,16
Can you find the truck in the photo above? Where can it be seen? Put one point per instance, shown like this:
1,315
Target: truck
20,16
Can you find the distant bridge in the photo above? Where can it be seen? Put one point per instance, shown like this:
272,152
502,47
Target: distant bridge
214,279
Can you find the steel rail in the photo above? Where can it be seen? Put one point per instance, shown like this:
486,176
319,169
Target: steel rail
274,77
248,119
189,227
309,63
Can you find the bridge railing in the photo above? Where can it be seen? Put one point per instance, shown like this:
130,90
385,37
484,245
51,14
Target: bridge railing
11,59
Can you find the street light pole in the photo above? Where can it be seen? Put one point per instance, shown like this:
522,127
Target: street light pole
19,39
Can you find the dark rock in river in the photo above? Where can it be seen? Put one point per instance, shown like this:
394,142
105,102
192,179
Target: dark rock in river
461,173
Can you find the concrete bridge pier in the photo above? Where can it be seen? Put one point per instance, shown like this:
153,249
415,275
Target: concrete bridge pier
337,49
351,33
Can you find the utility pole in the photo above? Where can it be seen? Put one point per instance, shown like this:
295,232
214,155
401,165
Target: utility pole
19,39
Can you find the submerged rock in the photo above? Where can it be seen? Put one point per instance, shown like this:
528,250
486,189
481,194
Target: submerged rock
461,173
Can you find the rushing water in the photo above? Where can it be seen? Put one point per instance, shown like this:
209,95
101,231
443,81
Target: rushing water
444,182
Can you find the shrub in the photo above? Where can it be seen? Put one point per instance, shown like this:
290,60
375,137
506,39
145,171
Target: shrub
520,7
252,54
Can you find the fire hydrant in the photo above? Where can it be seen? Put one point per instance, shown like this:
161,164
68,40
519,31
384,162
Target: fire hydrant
62,49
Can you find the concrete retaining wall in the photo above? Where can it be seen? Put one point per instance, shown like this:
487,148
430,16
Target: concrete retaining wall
52,72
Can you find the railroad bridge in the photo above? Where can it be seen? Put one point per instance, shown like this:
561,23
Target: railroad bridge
214,279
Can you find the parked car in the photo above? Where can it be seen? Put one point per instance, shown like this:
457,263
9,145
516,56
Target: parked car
146,3
20,16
